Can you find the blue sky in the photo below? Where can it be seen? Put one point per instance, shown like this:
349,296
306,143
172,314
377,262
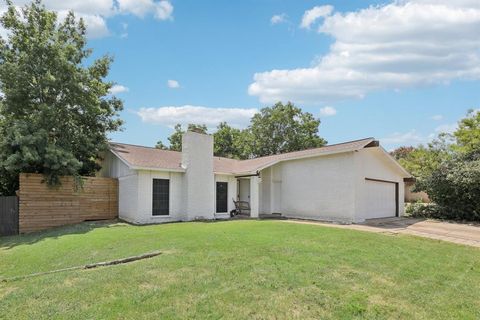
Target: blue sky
366,68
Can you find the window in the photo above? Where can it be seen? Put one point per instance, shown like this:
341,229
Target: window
161,197
222,197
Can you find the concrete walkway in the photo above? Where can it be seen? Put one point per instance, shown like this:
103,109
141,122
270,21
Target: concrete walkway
466,234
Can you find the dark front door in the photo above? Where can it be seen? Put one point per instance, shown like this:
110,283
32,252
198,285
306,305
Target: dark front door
222,197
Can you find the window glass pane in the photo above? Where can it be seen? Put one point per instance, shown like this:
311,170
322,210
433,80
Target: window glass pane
161,197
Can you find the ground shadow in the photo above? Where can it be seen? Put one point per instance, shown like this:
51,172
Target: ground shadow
9,242
392,223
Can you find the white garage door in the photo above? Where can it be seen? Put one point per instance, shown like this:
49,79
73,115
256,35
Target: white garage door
381,199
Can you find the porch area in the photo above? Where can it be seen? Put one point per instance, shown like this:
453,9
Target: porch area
237,194
257,195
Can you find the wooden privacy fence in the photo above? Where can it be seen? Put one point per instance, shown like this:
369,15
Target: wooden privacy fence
411,196
8,216
42,207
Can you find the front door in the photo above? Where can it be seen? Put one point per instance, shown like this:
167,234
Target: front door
222,197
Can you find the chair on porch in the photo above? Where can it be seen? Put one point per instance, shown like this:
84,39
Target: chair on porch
241,207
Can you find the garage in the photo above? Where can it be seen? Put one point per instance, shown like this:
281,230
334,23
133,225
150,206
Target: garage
382,198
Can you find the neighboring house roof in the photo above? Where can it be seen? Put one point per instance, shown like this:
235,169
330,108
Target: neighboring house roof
138,157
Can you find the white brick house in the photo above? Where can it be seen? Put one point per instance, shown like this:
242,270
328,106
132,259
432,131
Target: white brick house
347,182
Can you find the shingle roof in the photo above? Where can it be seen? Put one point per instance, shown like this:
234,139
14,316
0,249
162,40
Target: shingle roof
146,157
140,157
262,162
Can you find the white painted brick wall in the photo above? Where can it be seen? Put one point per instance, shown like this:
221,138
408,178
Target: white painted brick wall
197,159
319,188
128,198
371,163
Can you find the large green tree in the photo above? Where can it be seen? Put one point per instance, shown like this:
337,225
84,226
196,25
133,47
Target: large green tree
227,141
421,161
281,128
56,109
467,135
402,152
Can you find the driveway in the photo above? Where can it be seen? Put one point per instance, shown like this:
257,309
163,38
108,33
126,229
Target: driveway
466,234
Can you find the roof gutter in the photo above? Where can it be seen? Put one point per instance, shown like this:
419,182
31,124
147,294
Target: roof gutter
257,174
157,169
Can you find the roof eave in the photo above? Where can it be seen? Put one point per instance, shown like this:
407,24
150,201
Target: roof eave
121,159
157,169
224,173
395,162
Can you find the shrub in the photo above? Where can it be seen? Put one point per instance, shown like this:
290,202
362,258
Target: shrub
424,210
455,189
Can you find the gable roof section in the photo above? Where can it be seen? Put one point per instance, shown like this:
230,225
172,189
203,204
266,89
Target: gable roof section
147,158
264,162
138,157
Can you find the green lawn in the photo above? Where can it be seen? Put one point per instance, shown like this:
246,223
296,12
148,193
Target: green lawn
240,270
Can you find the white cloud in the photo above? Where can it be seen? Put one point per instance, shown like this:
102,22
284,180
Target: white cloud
96,12
173,84
169,115
411,137
161,10
117,88
446,128
328,111
96,25
105,8
310,16
437,117
278,18
393,46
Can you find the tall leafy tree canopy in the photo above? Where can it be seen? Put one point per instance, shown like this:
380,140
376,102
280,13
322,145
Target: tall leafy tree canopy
467,135
421,161
227,141
282,128
55,110
402,152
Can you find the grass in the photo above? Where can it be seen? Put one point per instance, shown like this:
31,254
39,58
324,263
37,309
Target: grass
238,270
